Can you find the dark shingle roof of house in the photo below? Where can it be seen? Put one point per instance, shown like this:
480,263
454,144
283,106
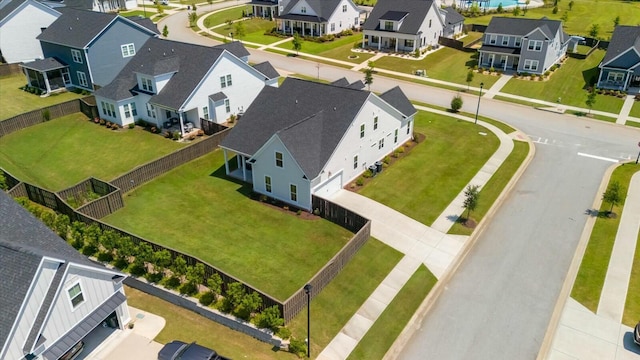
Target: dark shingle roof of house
146,23
417,11
623,38
10,7
396,98
322,8
394,15
521,27
452,16
236,48
219,96
267,70
341,82
44,64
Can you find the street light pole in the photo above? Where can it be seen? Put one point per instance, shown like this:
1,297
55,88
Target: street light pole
231,35
307,290
144,9
478,108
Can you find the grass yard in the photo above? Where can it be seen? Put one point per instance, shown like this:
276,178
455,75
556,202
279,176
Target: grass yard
631,314
64,151
254,31
136,13
583,14
220,17
395,317
339,49
635,109
567,83
422,184
340,300
593,269
188,326
494,186
446,64
14,101
196,209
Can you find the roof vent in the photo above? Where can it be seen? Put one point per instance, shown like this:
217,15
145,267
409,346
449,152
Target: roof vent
164,54
149,49
334,108
172,50
70,28
296,101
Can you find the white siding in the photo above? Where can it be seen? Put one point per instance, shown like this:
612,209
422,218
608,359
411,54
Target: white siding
18,33
297,9
344,20
162,80
431,34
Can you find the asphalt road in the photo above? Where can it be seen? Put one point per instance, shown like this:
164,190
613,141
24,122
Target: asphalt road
499,302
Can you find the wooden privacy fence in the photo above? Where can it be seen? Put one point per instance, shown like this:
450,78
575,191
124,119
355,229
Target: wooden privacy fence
10,69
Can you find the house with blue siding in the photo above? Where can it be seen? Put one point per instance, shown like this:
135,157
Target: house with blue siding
620,67
86,49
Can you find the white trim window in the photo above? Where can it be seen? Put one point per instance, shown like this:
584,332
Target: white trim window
227,106
267,183
75,295
128,50
127,111
333,27
518,41
134,111
303,10
375,123
344,8
361,131
355,162
279,159
82,79
225,80
380,143
531,65
534,45
408,127
76,55
395,136
505,40
147,84
109,110
151,111
615,76
293,190
493,39
205,112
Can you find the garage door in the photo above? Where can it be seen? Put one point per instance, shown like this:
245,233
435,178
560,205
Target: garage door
330,186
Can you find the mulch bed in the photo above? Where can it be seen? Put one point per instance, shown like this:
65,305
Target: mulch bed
284,207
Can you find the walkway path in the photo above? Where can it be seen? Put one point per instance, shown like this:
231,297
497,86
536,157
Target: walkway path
495,89
626,108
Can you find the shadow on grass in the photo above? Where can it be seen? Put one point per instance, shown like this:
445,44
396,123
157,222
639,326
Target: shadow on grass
590,76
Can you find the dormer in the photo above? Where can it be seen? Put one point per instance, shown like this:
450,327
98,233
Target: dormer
392,20
152,79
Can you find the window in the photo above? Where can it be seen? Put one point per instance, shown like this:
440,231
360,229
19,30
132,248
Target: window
111,110
408,127
361,131
75,295
303,9
104,108
205,112
535,45
225,80
429,22
147,85
388,25
279,161
531,65
151,111
493,39
408,43
267,184
356,21
505,40
518,42
395,136
333,27
380,143
128,50
82,79
227,106
134,112
294,192
374,39
127,112
355,162
76,56
615,76
503,59
344,8
375,123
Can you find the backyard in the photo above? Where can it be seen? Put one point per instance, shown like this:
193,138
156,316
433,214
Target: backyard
198,210
14,101
64,151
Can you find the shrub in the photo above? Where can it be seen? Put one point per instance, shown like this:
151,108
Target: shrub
316,212
89,250
360,181
167,134
270,318
547,73
207,298
46,115
283,332
137,269
132,125
176,135
103,122
105,256
386,159
298,347
3,182
492,69
400,150
368,174
456,103
172,282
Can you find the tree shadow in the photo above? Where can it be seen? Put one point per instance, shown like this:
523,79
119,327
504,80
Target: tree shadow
590,77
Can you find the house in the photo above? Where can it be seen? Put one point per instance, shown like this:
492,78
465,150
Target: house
620,68
266,8
21,21
85,49
524,45
51,296
318,17
306,138
169,83
408,25
94,5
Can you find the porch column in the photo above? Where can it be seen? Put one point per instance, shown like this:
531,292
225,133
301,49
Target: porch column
379,42
26,74
226,161
244,168
363,40
46,81
599,77
181,116
397,41
628,80
493,59
480,60
505,64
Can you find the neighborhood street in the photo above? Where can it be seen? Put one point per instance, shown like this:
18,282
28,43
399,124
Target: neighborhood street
499,303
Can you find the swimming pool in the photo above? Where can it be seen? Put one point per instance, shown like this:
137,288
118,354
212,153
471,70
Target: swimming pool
492,4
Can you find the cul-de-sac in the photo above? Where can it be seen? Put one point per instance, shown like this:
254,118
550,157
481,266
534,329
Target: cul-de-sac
326,179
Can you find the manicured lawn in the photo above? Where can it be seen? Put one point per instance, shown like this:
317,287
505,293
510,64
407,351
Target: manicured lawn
340,300
567,83
136,13
632,308
344,53
254,31
446,64
223,16
199,211
593,269
188,326
422,184
494,186
316,48
583,14
67,150
395,317
635,109
14,101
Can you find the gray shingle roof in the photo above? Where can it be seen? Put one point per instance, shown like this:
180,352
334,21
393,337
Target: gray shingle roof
219,96
236,48
145,22
396,98
394,15
623,38
9,7
341,82
521,27
452,16
417,10
267,70
44,64
322,8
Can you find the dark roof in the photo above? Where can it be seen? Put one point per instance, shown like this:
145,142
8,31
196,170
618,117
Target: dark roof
302,17
452,16
623,38
500,49
146,23
396,98
394,15
267,70
317,117
322,8
341,82
236,48
520,26
358,84
417,11
218,96
10,7
77,28
44,64
263,3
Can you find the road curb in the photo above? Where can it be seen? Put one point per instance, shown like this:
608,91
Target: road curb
415,322
570,279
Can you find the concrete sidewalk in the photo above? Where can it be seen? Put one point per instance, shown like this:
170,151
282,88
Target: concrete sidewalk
626,109
495,89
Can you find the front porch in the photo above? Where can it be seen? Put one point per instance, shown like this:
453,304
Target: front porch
499,61
242,170
391,43
264,9
617,79
48,75
304,28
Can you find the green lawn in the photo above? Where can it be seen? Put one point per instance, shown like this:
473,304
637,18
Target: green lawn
254,31
317,48
136,13
635,109
395,317
340,300
422,184
446,64
199,211
567,83
583,14
593,269
64,151
632,308
14,101
220,17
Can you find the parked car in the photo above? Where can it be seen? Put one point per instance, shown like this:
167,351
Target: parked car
178,350
163,2
73,352
636,334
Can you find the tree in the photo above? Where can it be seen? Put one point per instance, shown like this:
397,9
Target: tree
179,267
471,195
500,9
195,274
368,74
239,29
193,17
250,303
297,43
591,98
474,9
526,7
456,103
616,21
516,10
233,297
159,8
469,78
565,17
193,6
214,283
594,30
161,261
613,195
165,31
571,5
270,318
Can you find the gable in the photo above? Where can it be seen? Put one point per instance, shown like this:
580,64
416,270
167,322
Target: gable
625,60
537,34
17,7
417,12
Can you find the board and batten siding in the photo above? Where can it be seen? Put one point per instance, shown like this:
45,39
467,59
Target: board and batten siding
344,20
18,32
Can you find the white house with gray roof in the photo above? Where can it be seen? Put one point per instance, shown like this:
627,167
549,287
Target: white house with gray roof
307,138
523,45
51,296
318,17
409,25
620,67
169,82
